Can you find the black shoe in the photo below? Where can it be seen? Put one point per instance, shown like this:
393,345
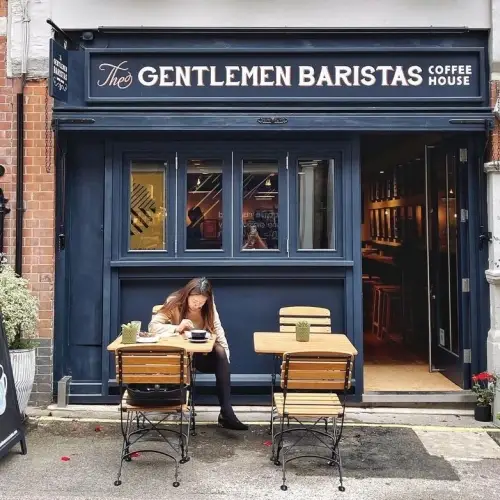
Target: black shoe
232,423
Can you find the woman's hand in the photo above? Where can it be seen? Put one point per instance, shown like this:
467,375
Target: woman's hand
184,325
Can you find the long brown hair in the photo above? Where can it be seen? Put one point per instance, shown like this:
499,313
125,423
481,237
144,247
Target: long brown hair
176,306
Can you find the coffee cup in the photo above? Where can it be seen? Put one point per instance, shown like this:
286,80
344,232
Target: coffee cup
198,334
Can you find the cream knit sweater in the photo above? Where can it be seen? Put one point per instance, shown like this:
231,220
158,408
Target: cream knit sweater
162,325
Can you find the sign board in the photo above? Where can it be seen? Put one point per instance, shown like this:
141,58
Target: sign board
366,76
58,76
11,428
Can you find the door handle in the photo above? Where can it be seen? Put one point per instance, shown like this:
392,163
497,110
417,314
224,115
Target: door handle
485,236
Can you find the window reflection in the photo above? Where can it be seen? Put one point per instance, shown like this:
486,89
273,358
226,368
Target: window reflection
147,206
316,204
204,205
260,205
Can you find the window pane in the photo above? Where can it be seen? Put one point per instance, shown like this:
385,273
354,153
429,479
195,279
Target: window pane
260,205
204,205
147,206
316,210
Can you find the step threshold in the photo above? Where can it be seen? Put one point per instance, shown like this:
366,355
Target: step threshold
410,397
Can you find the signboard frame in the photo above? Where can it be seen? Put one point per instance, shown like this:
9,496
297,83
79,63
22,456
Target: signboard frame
58,71
317,96
11,425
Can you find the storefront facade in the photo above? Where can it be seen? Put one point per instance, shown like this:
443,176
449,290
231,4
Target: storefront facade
176,149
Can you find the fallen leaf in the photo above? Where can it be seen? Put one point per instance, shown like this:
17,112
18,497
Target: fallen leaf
65,459
98,428
135,454
268,443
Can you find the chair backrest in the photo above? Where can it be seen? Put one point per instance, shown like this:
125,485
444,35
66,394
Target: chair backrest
316,371
157,365
157,308
317,317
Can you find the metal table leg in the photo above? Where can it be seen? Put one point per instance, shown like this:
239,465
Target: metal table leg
192,373
273,382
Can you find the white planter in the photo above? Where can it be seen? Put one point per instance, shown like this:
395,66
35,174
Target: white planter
496,406
23,368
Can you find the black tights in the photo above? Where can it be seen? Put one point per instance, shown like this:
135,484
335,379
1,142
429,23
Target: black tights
217,362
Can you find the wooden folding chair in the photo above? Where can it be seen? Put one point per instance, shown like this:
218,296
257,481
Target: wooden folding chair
155,310
318,318
155,365
310,382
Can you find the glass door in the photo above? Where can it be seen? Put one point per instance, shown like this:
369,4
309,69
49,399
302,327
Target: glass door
446,225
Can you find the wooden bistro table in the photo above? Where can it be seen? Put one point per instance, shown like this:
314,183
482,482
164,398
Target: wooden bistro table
277,343
177,341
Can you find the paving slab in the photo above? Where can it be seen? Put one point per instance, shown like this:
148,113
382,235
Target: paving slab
459,445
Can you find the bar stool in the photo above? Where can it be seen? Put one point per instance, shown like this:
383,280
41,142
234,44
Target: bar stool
377,313
407,310
391,310
368,283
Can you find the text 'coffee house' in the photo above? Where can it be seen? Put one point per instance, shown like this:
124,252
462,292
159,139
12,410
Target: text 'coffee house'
335,170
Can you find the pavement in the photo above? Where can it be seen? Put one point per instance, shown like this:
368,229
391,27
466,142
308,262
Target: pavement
387,454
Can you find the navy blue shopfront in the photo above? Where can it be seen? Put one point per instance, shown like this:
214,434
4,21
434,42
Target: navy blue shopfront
162,132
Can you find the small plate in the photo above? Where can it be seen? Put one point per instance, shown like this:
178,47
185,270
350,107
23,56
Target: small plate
198,341
147,340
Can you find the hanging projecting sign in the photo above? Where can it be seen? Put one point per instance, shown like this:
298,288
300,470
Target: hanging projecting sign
11,428
437,76
58,74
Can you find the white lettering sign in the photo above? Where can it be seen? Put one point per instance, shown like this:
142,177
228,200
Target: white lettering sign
119,76
59,74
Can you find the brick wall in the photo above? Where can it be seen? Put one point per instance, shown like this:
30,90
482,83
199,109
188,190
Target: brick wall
38,228
38,231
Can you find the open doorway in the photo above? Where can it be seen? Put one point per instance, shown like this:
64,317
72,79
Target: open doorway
411,236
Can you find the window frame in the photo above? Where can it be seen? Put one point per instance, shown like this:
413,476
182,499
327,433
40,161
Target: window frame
232,153
281,156
127,160
146,168
339,203
209,154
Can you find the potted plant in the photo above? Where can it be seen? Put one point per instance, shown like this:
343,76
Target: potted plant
19,310
484,386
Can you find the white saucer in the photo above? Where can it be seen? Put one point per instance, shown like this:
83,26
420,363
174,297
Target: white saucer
198,341
147,340
187,334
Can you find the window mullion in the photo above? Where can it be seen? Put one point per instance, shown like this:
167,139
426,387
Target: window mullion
287,205
176,203
232,205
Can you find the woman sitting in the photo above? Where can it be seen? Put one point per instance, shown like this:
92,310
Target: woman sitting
193,307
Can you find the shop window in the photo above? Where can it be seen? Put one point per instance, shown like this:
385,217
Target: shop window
204,205
147,207
260,205
316,204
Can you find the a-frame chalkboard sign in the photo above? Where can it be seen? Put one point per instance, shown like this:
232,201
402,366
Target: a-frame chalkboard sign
11,426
